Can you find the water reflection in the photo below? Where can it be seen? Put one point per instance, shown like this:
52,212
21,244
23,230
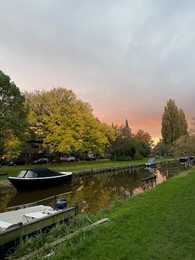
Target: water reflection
31,196
95,192
99,191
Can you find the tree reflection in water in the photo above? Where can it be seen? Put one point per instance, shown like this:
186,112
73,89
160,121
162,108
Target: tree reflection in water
95,192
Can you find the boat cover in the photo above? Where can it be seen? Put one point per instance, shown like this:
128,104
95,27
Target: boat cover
38,172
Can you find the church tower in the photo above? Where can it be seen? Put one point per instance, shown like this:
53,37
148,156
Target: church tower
127,125
127,130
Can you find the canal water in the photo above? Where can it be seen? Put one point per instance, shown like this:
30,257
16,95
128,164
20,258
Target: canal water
95,192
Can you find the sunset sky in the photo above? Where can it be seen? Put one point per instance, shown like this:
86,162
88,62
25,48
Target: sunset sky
126,58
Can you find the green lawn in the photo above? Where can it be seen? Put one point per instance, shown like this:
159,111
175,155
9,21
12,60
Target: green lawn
157,224
74,167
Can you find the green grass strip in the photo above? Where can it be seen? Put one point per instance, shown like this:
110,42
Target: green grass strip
157,224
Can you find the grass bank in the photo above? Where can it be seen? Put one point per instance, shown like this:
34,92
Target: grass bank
157,224
75,167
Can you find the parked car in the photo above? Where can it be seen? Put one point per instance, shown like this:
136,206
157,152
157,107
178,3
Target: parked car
17,162
41,161
71,159
2,162
91,157
68,159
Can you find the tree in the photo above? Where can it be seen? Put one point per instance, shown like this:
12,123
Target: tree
183,125
13,112
192,129
161,149
145,137
142,148
174,123
184,146
66,124
13,147
122,149
127,147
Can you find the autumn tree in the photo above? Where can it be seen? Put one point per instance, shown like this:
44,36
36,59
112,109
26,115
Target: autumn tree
184,146
192,129
127,147
145,137
174,123
13,113
65,123
161,149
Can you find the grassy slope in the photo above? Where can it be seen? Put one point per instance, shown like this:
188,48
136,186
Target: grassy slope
157,224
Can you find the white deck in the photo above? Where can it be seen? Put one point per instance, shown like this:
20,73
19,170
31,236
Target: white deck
4,225
16,216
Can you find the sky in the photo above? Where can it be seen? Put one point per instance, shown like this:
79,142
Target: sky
126,58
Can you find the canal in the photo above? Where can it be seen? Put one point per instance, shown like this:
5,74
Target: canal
95,192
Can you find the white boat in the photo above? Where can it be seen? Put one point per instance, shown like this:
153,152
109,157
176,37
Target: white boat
151,163
22,222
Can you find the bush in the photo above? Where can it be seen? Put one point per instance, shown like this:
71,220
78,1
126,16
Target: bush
138,156
124,158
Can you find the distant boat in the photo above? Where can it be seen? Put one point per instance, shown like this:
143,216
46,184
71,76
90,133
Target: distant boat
28,220
186,159
151,163
39,178
183,160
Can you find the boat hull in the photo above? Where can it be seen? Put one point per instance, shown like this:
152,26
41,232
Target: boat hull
150,165
23,184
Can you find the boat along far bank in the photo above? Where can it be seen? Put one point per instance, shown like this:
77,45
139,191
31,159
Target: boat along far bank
39,178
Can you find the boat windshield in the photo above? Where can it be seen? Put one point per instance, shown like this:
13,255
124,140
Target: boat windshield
27,174
31,174
22,173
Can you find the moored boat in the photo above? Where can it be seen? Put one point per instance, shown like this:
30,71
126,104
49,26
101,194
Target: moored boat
39,178
16,224
151,163
183,160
